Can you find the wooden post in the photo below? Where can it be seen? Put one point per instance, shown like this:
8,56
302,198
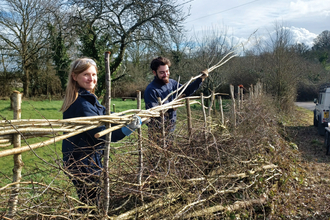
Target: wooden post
221,110
107,97
114,107
140,144
18,163
233,105
204,116
188,117
211,104
259,88
210,111
214,104
162,116
238,98
241,97
251,92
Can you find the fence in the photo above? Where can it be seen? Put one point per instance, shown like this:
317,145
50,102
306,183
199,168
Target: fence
12,131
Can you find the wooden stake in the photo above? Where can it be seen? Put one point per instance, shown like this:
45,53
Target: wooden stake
211,104
251,92
162,116
204,116
238,98
233,105
221,110
106,201
241,92
140,149
210,111
188,118
18,163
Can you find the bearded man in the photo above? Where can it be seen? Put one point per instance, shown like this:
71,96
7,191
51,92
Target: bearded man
161,86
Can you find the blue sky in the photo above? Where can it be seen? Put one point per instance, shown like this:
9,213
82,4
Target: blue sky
305,18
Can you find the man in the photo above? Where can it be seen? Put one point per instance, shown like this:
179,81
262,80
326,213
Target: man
161,86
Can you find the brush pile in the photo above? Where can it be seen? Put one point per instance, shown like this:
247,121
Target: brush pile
234,171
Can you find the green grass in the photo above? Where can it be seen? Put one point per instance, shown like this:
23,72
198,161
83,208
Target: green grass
50,109
32,109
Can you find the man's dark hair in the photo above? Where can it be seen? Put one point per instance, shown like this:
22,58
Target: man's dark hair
159,61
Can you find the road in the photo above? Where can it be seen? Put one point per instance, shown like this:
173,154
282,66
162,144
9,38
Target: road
307,105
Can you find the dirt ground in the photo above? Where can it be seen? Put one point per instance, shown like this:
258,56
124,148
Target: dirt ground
310,197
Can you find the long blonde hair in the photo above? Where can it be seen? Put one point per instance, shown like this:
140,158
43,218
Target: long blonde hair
71,93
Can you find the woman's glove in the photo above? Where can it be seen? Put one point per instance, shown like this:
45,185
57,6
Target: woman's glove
134,124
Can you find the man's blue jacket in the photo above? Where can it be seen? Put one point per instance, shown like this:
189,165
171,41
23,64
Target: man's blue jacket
157,88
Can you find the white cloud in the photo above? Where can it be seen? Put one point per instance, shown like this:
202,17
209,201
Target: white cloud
305,18
306,7
302,35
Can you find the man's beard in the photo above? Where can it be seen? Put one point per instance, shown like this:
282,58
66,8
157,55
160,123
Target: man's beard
165,79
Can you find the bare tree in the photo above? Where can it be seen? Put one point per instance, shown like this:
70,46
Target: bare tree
23,31
208,50
280,66
121,23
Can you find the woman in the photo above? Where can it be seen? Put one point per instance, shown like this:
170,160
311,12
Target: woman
82,153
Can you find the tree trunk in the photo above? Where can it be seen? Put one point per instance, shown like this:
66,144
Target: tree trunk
26,82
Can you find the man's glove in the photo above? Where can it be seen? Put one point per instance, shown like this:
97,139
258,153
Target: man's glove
205,74
134,124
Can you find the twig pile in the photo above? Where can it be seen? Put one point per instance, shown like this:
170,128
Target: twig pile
202,178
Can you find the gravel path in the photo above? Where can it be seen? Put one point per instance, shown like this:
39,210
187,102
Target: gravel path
307,105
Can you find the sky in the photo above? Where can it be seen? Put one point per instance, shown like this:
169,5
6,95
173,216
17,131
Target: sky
240,18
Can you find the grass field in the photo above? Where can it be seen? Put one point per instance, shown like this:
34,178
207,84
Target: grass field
50,109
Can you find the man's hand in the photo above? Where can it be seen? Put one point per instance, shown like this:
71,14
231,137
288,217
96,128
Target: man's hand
205,74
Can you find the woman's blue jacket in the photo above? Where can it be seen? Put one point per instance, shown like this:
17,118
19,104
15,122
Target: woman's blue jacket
85,147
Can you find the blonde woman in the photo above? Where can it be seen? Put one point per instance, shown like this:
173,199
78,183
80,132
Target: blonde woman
82,153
